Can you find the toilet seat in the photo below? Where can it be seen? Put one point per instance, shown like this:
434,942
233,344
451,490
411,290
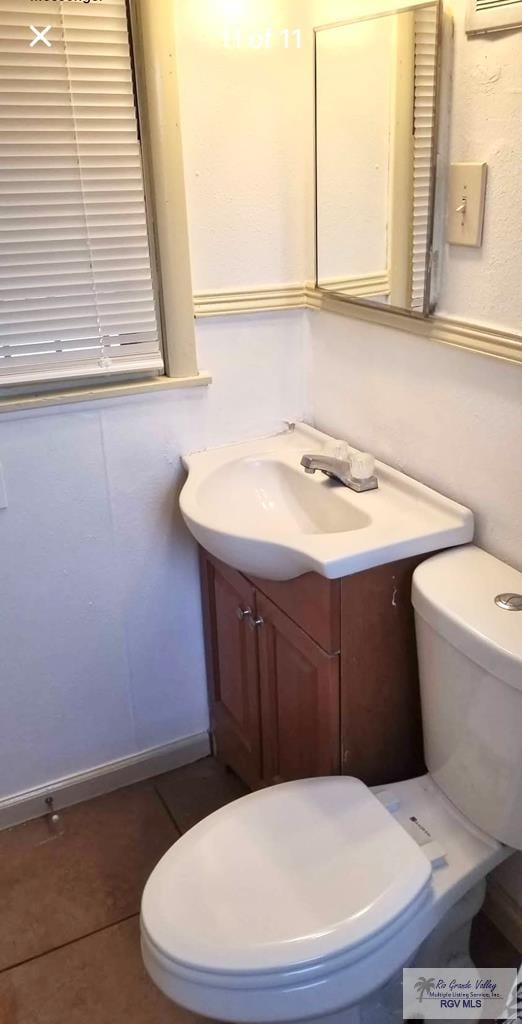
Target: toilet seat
323,816
317,991
284,879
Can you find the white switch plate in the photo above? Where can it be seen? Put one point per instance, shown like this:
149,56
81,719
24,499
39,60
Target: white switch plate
466,204
3,491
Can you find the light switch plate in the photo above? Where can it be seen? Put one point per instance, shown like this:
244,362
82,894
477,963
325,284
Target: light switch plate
466,204
3,491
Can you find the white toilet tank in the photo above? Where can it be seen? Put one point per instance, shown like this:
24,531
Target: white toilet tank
470,663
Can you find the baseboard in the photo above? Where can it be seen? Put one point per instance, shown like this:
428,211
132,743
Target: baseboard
124,772
504,913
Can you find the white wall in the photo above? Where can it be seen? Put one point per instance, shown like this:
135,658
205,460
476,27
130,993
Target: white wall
101,651
247,118
483,285
247,123
353,162
451,418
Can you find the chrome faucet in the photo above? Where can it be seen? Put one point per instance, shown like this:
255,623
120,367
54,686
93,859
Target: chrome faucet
356,471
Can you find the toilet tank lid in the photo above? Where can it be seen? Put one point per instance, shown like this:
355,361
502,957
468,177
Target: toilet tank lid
455,594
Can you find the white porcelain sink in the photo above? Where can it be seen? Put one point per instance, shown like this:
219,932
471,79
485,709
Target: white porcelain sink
253,506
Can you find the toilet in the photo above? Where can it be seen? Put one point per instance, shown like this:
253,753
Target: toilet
304,901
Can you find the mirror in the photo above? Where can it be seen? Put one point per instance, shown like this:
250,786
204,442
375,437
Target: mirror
376,106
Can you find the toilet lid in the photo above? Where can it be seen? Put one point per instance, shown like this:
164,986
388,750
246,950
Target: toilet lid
283,877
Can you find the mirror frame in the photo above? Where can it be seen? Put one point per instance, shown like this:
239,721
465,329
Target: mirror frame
429,300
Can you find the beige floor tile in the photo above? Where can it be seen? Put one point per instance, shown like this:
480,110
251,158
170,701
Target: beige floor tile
55,888
98,980
198,789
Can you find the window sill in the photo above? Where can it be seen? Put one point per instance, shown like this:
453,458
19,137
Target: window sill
95,392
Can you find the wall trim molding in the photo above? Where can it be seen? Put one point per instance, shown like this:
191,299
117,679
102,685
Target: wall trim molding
459,333
449,331
125,771
284,296
479,338
250,300
360,287
504,913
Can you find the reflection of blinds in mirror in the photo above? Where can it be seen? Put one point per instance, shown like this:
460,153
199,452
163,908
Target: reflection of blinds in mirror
426,25
493,15
482,5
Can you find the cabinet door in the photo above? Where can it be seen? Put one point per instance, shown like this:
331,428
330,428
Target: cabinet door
232,669
299,685
312,602
381,723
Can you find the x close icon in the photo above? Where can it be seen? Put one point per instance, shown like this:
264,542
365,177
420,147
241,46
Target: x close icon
40,35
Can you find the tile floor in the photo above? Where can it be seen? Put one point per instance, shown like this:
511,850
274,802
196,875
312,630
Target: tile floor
69,903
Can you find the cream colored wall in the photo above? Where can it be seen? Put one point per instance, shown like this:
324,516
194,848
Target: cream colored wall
353,148
247,115
323,12
483,285
247,119
247,130
101,638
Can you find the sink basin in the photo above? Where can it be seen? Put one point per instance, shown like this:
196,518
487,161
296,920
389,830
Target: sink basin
253,506
275,496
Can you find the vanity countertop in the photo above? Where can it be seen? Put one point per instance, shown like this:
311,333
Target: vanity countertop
253,506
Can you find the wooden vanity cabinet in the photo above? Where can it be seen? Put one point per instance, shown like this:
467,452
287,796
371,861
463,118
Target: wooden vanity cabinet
313,677
232,668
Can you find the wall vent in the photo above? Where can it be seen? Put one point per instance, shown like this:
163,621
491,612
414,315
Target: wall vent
493,15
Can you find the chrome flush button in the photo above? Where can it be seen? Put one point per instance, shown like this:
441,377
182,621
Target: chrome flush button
509,602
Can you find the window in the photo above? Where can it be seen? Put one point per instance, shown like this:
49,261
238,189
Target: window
76,280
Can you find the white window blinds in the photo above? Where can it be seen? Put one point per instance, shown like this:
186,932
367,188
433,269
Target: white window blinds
426,30
76,285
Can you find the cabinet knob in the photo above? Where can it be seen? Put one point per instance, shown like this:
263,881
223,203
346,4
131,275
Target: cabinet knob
243,613
256,623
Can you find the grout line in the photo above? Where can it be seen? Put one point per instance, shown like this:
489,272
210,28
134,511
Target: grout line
113,924
166,806
72,942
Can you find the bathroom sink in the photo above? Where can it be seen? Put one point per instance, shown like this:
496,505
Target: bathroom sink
277,495
253,506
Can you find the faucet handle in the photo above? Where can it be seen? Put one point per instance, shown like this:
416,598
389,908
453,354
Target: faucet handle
362,465
338,450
